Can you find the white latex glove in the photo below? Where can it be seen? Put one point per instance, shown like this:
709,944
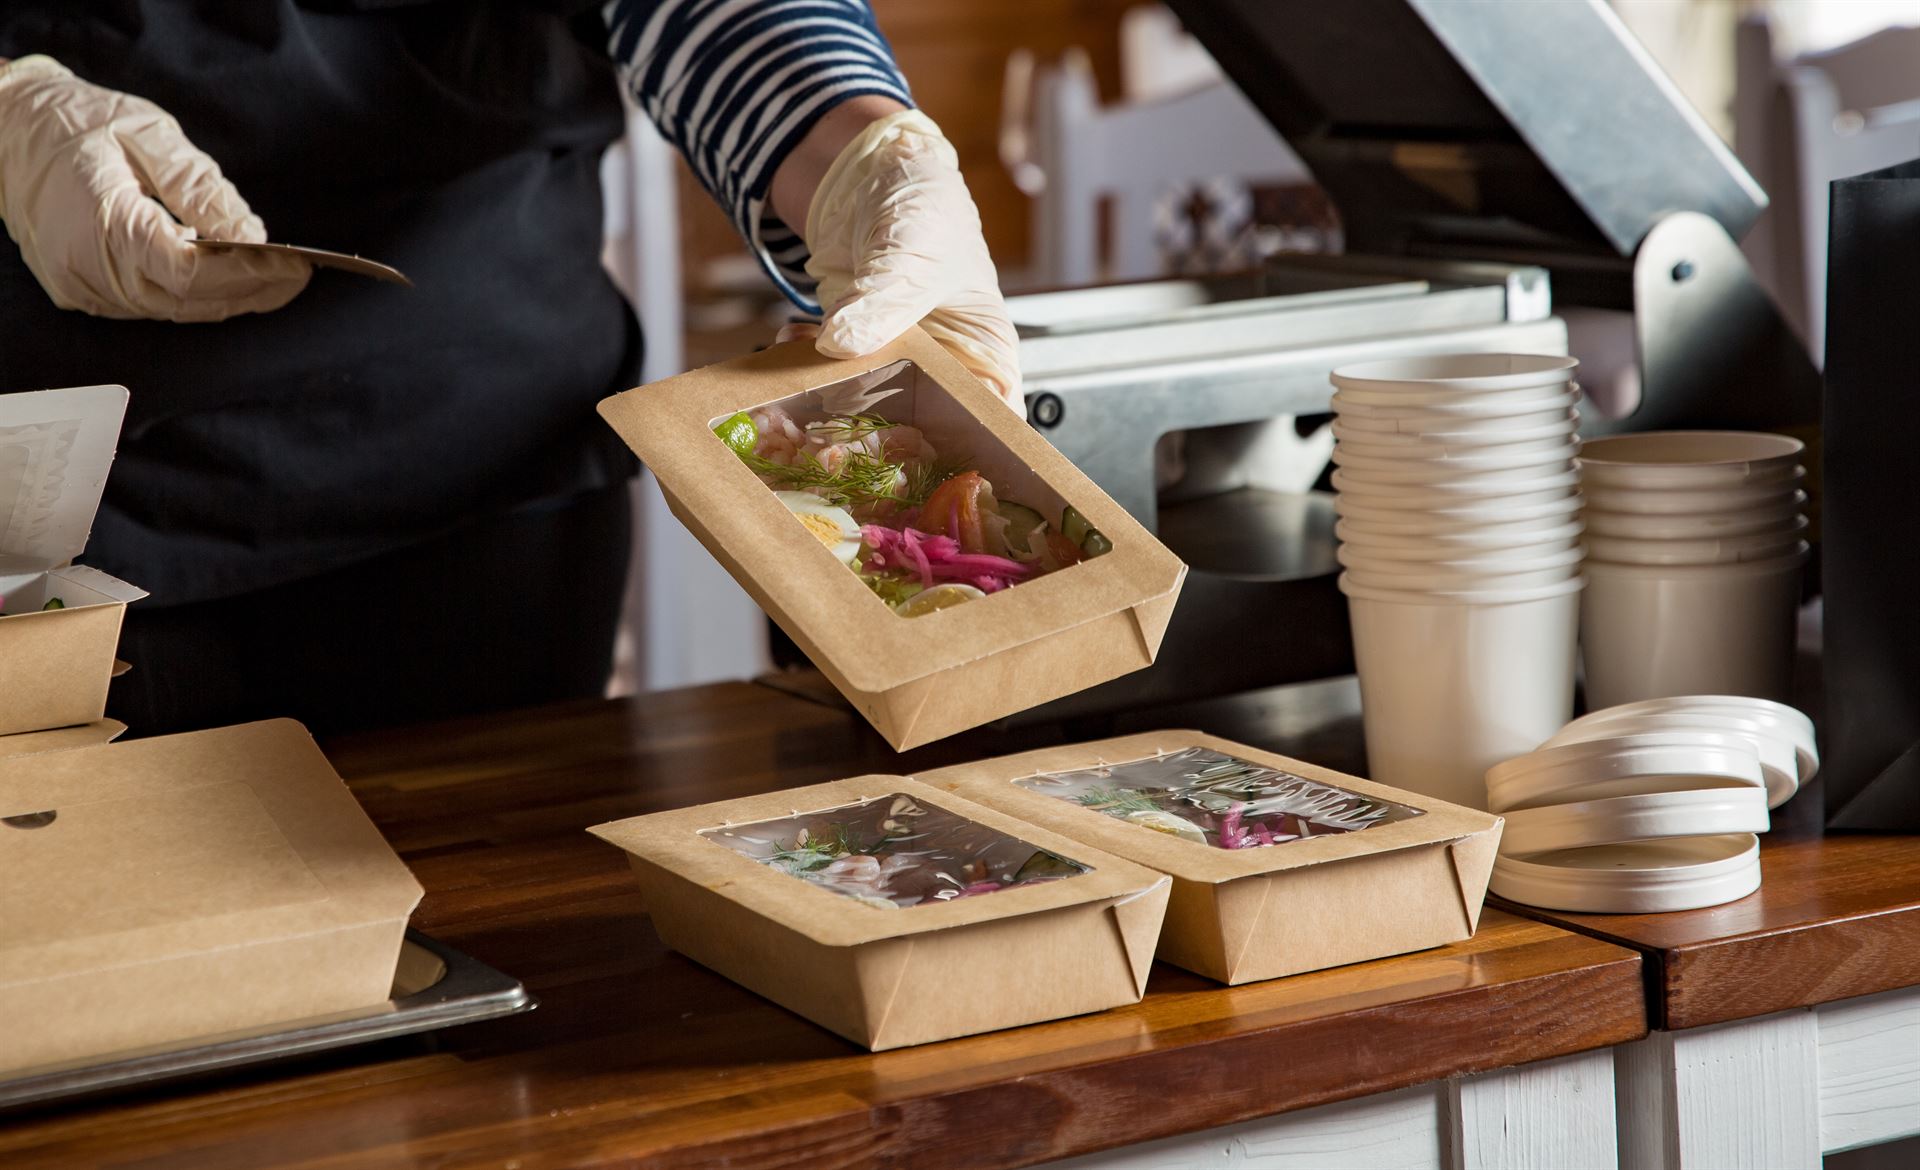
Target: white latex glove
895,241
87,178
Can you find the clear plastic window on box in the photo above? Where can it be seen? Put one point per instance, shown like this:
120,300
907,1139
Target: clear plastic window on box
1211,798
909,491
895,851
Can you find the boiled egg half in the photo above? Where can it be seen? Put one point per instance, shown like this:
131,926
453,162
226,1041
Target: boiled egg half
831,525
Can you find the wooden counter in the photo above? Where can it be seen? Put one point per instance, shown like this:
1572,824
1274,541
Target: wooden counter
637,1056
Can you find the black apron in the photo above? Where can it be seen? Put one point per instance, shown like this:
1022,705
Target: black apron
459,141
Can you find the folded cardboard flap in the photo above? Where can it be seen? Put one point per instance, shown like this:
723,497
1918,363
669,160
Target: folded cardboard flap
60,739
922,678
1412,876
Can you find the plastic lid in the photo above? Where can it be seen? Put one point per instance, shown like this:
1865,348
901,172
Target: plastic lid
1624,766
1643,817
1643,877
1789,722
1779,756
56,447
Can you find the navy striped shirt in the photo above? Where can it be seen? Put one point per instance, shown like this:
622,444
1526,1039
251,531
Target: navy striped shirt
736,84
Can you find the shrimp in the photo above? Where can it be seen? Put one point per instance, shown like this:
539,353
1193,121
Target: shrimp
780,438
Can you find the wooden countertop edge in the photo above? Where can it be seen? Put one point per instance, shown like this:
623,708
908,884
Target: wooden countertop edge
1758,973
1041,1117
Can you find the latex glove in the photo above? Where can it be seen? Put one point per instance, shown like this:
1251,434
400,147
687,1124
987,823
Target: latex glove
87,179
895,241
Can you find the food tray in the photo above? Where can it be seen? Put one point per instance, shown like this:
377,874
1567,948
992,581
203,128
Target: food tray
434,987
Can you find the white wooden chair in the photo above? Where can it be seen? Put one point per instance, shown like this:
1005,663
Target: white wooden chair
685,621
1072,154
1802,123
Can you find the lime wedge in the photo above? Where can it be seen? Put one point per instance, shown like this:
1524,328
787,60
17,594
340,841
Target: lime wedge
738,433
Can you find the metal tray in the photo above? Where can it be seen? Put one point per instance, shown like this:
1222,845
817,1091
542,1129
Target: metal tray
434,987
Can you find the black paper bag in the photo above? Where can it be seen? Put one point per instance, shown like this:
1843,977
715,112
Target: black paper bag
1871,510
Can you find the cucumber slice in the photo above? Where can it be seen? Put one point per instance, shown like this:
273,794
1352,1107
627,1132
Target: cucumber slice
1073,525
1095,544
1021,521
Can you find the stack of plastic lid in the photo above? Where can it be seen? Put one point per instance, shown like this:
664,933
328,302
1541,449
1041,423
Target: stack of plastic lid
1695,544
1460,536
1648,806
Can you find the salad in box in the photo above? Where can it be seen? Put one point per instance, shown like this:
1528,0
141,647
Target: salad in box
852,903
59,622
935,557
1278,866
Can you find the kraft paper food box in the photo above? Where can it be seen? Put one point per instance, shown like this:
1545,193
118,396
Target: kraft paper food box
56,447
916,679
169,889
854,903
1278,866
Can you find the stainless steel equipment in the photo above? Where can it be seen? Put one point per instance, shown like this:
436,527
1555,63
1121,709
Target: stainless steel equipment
434,987
1487,157
1184,399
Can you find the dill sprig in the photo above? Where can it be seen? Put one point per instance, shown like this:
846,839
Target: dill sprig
1118,801
922,478
845,428
860,479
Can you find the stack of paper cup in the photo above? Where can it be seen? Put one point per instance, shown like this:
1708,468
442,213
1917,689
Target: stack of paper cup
1648,807
1695,544
1460,537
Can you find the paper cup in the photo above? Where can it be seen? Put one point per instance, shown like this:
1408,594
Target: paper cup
1650,631
1498,569
1452,684
1626,765
1697,525
1481,423
1755,546
1690,459
1457,372
1440,496
1474,468
1748,498
1394,546
1366,445
1486,515
1425,400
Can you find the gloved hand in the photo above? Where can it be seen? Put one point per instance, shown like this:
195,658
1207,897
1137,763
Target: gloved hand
895,240
87,178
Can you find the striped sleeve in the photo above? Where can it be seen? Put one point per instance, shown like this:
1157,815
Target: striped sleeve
736,84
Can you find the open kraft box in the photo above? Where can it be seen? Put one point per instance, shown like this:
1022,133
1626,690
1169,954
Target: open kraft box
168,889
56,447
1351,870
922,678
1061,929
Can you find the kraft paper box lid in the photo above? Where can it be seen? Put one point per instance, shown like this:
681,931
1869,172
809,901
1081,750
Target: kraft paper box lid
1386,888
124,854
1038,947
61,739
1036,641
56,447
